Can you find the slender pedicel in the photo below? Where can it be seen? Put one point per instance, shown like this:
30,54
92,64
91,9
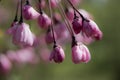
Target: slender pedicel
21,17
40,9
27,2
52,24
16,15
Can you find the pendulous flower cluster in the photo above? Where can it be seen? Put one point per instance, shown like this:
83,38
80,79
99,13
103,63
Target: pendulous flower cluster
63,25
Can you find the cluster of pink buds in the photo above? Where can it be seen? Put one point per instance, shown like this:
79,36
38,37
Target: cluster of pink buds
63,24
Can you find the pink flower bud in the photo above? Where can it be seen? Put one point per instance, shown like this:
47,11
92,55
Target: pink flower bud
23,36
77,25
44,21
29,12
80,53
57,54
91,29
69,13
5,64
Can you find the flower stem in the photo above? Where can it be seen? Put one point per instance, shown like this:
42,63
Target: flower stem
40,9
27,2
16,14
21,17
52,24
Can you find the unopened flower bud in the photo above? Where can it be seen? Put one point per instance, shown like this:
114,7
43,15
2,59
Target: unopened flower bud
77,25
57,54
91,29
23,36
80,53
44,21
69,13
29,12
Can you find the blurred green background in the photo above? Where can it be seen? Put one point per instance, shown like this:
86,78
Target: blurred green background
105,62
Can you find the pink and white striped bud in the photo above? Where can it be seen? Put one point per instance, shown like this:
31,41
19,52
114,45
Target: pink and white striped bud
44,21
91,29
80,53
77,25
23,36
29,12
5,64
57,54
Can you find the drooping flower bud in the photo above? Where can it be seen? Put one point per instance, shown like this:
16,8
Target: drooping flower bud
44,21
80,53
57,54
91,29
77,25
29,12
22,35
69,13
